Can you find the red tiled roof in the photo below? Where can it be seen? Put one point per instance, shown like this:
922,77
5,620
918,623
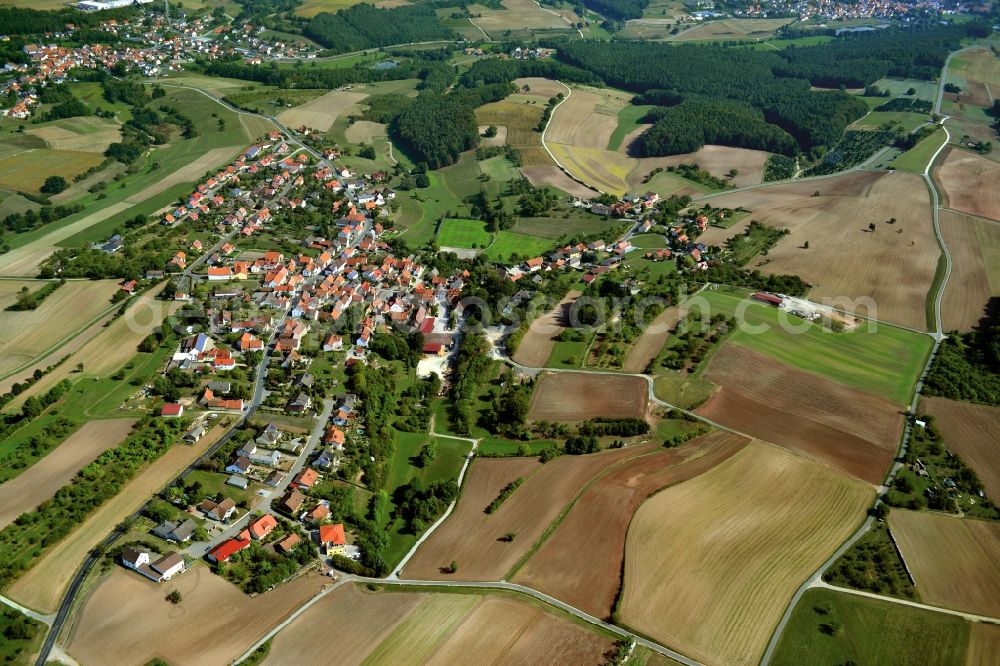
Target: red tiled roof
332,534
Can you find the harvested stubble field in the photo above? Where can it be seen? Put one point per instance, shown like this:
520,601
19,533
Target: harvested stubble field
974,244
591,583
748,29
364,131
321,112
971,432
10,288
109,350
844,259
978,64
602,169
587,118
845,428
518,15
537,343
27,171
520,119
358,620
544,89
955,561
470,536
655,335
984,645
717,160
26,335
970,183
89,134
42,586
553,176
41,481
751,529
578,396
216,619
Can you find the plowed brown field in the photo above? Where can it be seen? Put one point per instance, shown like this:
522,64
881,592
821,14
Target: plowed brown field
649,344
578,396
470,536
598,522
847,429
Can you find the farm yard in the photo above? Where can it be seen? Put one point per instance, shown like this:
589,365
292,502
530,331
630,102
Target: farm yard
969,183
955,561
471,537
41,481
974,244
572,396
869,631
27,334
836,225
606,509
844,428
42,586
125,599
970,431
537,344
752,528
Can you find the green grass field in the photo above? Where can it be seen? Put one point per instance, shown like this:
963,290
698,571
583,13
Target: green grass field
628,120
878,119
569,354
829,627
508,243
916,158
446,465
649,241
454,232
666,183
886,362
897,88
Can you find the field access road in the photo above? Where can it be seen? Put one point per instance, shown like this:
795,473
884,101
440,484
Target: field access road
442,586
819,583
816,580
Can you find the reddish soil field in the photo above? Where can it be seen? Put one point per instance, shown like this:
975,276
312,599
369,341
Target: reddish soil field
357,619
127,617
974,244
971,432
470,536
606,509
537,343
850,430
577,396
971,183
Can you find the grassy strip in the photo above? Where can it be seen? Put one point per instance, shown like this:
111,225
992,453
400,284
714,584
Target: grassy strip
936,286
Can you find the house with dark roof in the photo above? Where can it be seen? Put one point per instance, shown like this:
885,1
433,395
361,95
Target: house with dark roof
176,530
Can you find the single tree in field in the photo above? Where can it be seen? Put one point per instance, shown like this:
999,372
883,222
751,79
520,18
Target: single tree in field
174,597
805,246
453,567
54,185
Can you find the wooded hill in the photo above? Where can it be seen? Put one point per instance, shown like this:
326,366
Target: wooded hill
364,27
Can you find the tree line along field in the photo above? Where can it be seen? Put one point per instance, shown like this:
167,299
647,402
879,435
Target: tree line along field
606,508
970,431
28,334
751,530
845,258
955,561
390,626
471,538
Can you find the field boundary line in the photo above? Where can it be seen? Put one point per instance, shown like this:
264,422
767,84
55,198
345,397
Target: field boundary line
971,617
557,521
